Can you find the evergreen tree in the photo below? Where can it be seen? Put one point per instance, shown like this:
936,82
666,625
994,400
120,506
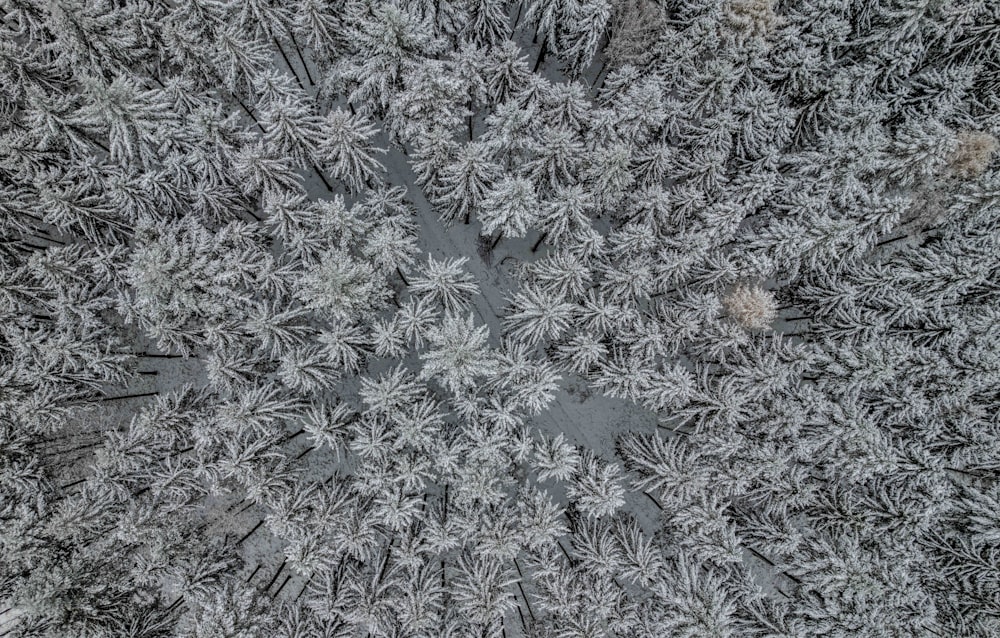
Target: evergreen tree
457,353
344,145
445,282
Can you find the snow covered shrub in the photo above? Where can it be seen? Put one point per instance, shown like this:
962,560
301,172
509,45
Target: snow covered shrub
973,154
753,18
752,307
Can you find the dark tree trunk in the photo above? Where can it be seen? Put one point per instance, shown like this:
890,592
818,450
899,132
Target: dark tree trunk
247,110
539,242
250,533
541,55
254,573
302,59
131,396
288,63
282,586
274,578
322,177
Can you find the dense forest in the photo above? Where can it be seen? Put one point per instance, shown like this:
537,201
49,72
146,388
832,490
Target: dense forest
486,318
